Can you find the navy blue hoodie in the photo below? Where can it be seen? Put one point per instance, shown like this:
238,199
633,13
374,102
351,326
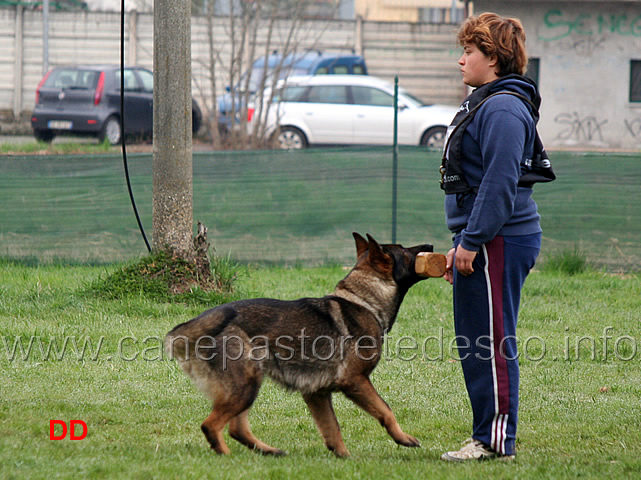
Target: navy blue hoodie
495,146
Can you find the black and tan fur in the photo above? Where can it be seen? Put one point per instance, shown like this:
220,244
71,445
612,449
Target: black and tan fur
316,346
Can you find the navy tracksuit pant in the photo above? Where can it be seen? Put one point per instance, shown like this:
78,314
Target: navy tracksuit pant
486,305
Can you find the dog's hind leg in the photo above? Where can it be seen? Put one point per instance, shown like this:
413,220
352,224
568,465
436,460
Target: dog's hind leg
214,424
240,430
320,404
228,404
362,393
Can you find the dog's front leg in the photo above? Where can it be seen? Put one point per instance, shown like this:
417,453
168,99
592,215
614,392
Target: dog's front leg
361,391
320,404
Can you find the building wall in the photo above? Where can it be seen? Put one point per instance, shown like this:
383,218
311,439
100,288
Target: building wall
427,52
585,49
402,10
422,55
380,10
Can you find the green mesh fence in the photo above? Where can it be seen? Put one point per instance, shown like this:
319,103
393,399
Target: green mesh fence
300,207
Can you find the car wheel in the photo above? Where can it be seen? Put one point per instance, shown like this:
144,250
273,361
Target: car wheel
434,138
111,131
291,138
44,135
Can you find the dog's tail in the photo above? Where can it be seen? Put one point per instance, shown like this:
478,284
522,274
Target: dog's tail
182,341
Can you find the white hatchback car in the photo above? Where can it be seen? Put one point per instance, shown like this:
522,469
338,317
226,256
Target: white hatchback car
349,110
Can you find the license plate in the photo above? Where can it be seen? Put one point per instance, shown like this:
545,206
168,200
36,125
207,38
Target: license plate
60,124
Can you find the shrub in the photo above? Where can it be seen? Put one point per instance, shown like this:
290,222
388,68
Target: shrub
570,261
162,276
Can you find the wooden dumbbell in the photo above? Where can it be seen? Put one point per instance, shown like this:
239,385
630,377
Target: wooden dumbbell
430,264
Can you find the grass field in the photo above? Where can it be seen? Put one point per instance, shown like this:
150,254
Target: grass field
580,414
300,207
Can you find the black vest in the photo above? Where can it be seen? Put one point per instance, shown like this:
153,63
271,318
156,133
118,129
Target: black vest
539,168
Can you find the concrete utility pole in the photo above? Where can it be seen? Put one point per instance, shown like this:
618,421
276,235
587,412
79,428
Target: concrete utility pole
45,37
172,160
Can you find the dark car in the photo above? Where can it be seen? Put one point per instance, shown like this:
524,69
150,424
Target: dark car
85,100
267,70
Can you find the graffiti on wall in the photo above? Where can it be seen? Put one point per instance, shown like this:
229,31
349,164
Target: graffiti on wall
584,33
580,128
633,127
573,127
557,25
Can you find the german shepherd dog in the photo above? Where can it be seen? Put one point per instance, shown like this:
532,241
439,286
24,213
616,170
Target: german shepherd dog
316,346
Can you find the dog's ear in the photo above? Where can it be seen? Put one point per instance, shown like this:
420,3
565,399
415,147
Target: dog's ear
372,242
377,258
361,244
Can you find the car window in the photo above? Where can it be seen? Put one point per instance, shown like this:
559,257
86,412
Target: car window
372,96
327,94
340,70
256,79
258,75
292,93
358,70
147,79
72,78
414,98
131,82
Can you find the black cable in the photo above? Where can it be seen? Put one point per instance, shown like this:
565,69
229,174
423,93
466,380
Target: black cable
122,121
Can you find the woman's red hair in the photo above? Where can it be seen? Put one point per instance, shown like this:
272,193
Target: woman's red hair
497,36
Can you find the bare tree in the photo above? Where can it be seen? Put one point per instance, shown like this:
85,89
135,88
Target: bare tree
254,28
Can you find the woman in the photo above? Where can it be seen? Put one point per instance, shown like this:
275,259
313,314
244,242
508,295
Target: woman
497,235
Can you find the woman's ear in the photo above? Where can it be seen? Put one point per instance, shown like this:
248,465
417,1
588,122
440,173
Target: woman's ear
494,64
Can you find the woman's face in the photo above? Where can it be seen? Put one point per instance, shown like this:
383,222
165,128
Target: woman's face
477,68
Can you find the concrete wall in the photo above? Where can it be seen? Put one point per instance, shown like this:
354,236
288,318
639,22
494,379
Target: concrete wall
585,50
422,55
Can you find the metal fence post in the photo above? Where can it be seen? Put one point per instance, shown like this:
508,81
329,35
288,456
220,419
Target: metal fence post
395,161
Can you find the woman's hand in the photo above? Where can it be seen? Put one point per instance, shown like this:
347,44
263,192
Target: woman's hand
449,265
463,259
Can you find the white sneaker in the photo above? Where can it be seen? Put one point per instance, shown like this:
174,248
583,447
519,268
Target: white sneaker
474,450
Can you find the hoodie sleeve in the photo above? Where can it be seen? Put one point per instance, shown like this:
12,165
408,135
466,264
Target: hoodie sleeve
502,137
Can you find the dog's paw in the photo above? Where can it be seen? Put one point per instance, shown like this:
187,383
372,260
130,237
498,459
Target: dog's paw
339,451
275,452
408,441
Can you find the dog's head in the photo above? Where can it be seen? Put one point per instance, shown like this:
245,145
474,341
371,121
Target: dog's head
391,259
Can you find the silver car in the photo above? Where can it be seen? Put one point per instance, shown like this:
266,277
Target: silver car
349,110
